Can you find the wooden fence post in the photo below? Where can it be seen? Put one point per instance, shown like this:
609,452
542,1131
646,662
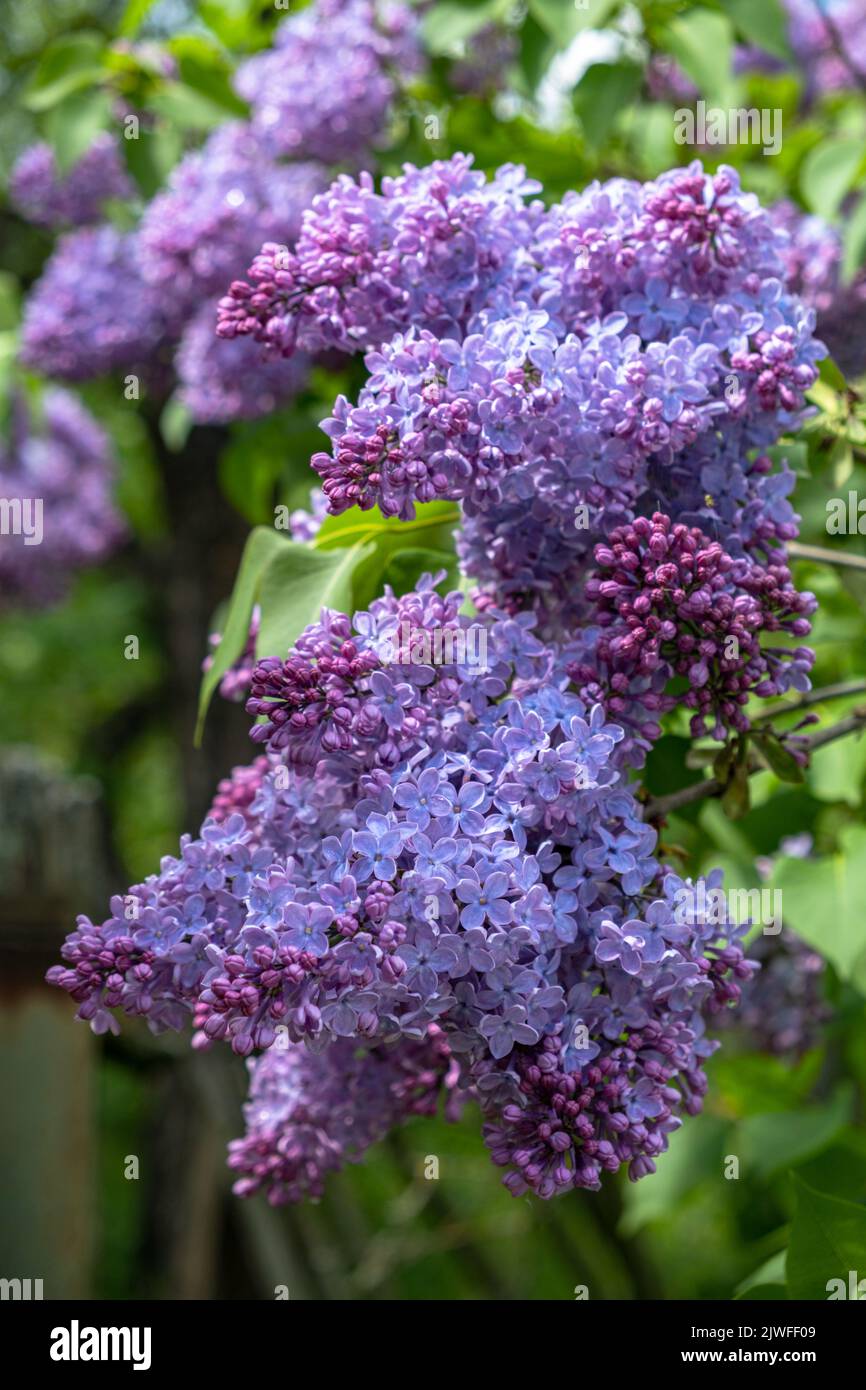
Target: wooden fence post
52,865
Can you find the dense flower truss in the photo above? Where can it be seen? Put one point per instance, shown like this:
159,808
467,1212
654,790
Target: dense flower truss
221,203
668,599
326,88
813,260
91,313
633,349
43,195
221,379
56,475
431,249
310,1113
427,851
783,1006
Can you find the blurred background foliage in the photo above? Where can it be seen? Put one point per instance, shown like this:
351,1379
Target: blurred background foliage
580,93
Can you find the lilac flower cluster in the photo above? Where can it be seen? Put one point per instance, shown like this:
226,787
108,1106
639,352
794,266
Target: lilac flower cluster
783,1006
667,597
91,312
221,380
48,198
330,100
813,262
220,203
143,301
56,459
431,249
559,372
311,1113
829,43
430,847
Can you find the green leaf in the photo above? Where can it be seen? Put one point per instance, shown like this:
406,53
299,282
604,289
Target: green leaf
405,567
448,25
778,758
764,24
601,95
73,125
564,20
431,530
832,375
203,68
823,902
296,584
175,423
67,65
10,301
766,1143
770,1274
828,1240
735,798
795,453
702,43
829,172
135,12
191,110
262,545
837,771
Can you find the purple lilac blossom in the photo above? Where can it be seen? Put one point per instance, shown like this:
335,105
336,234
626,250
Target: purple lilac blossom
311,1113
221,202
222,379
632,349
43,195
59,456
91,313
334,906
330,100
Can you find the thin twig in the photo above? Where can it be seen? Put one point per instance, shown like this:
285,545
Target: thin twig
814,697
661,806
837,39
825,556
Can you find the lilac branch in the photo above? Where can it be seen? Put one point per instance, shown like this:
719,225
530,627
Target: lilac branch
657,808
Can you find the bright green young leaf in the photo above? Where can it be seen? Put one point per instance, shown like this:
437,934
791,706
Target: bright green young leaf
262,545
74,123
763,23
603,92
432,529
766,1143
66,66
823,899
190,109
135,12
702,43
829,172
449,24
564,20
296,584
828,1241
